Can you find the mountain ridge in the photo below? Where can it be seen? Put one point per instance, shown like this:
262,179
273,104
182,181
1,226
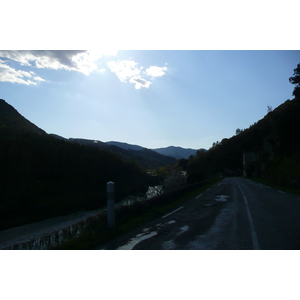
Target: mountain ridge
146,158
172,151
269,149
177,152
44,176
125,146
12,122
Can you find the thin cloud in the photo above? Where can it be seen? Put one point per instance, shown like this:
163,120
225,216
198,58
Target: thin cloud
127,69
124,69
37,78
155,71
82,61
139,82
9,74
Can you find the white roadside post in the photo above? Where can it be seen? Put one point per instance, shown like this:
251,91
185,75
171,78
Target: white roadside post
111,205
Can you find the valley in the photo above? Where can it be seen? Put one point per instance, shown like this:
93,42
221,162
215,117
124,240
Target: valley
47,176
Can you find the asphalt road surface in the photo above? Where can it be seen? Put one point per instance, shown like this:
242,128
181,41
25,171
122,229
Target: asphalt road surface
234,214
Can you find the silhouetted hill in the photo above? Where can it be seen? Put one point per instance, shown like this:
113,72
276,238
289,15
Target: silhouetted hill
58,136
172,151
146,158
12,122
269,148
43,176
176,152
125,146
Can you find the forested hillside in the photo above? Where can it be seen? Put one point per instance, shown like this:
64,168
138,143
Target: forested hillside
12,123
146,158
273,144
176,152
269,148
42,176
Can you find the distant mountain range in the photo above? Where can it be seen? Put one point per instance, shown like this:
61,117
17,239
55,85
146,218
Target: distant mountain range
113,146
175,152
12,123
146,158
126,146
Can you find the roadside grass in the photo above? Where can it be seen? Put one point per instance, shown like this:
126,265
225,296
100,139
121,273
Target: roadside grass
267,182
129,218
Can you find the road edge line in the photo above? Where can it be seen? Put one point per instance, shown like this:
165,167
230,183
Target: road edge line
255,243
172,212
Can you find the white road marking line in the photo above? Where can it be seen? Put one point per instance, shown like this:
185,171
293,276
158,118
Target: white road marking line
221,198
198,196
281,192
171,222
183,229
252,228
137,239
172,212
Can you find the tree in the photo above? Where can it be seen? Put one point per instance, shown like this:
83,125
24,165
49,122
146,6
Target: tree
269,108
238,131
182,164
296,80
200,153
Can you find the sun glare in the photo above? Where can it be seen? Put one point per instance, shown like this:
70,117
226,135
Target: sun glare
96,54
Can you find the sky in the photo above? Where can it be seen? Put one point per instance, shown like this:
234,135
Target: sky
154,98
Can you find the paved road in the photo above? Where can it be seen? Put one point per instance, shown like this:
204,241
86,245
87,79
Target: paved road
234,214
